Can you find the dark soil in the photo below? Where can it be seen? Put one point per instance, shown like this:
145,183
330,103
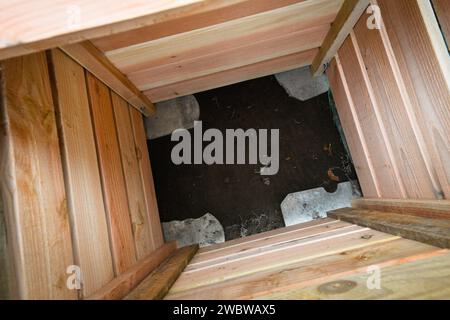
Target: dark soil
237,195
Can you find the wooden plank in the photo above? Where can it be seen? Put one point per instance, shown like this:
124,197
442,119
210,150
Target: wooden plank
5,256
82,177
275,259
416,280
351,125
133,182
158,283
32,184
396,113
113,180
439,209
29,26
348,15
442,10
269,48
425,83
188,23
127,281
367,113
253,247
281,282
174,48
237,243
432,231
228,77
142,153
86,54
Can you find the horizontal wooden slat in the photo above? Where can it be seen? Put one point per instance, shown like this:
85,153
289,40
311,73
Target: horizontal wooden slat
423,208
86,54
158,283
30,26
235,10
170,49
123,284
422,279
282,256
282,281
254,247
346,18
432,231
228,77
269,48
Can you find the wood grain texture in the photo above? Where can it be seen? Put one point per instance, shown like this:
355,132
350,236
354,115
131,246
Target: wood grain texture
158,283
439,209
236,244
348,15
442,9
228,77
32,184
432,231
282,282
351,125
422,279
123,284
113,180
281,257
210,63
368,115
170,49
48,24
82,176
247,249
92,59
424,82
188,23
134,185
396,112
143,158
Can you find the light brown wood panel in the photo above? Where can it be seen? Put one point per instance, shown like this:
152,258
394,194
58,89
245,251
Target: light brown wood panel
123,284
424,81
113,180
30,26
282,281
86,54
348,15
395,112
420,279
147,177
82,176
253,247
352,129
368,115
266,49
275,259
189,23
136,197
158,283
236,244
310,13
442,10
32,182
228,77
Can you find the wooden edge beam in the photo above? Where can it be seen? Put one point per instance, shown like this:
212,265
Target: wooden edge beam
346,19
92,59
159,282
439,209
435,232
127,281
